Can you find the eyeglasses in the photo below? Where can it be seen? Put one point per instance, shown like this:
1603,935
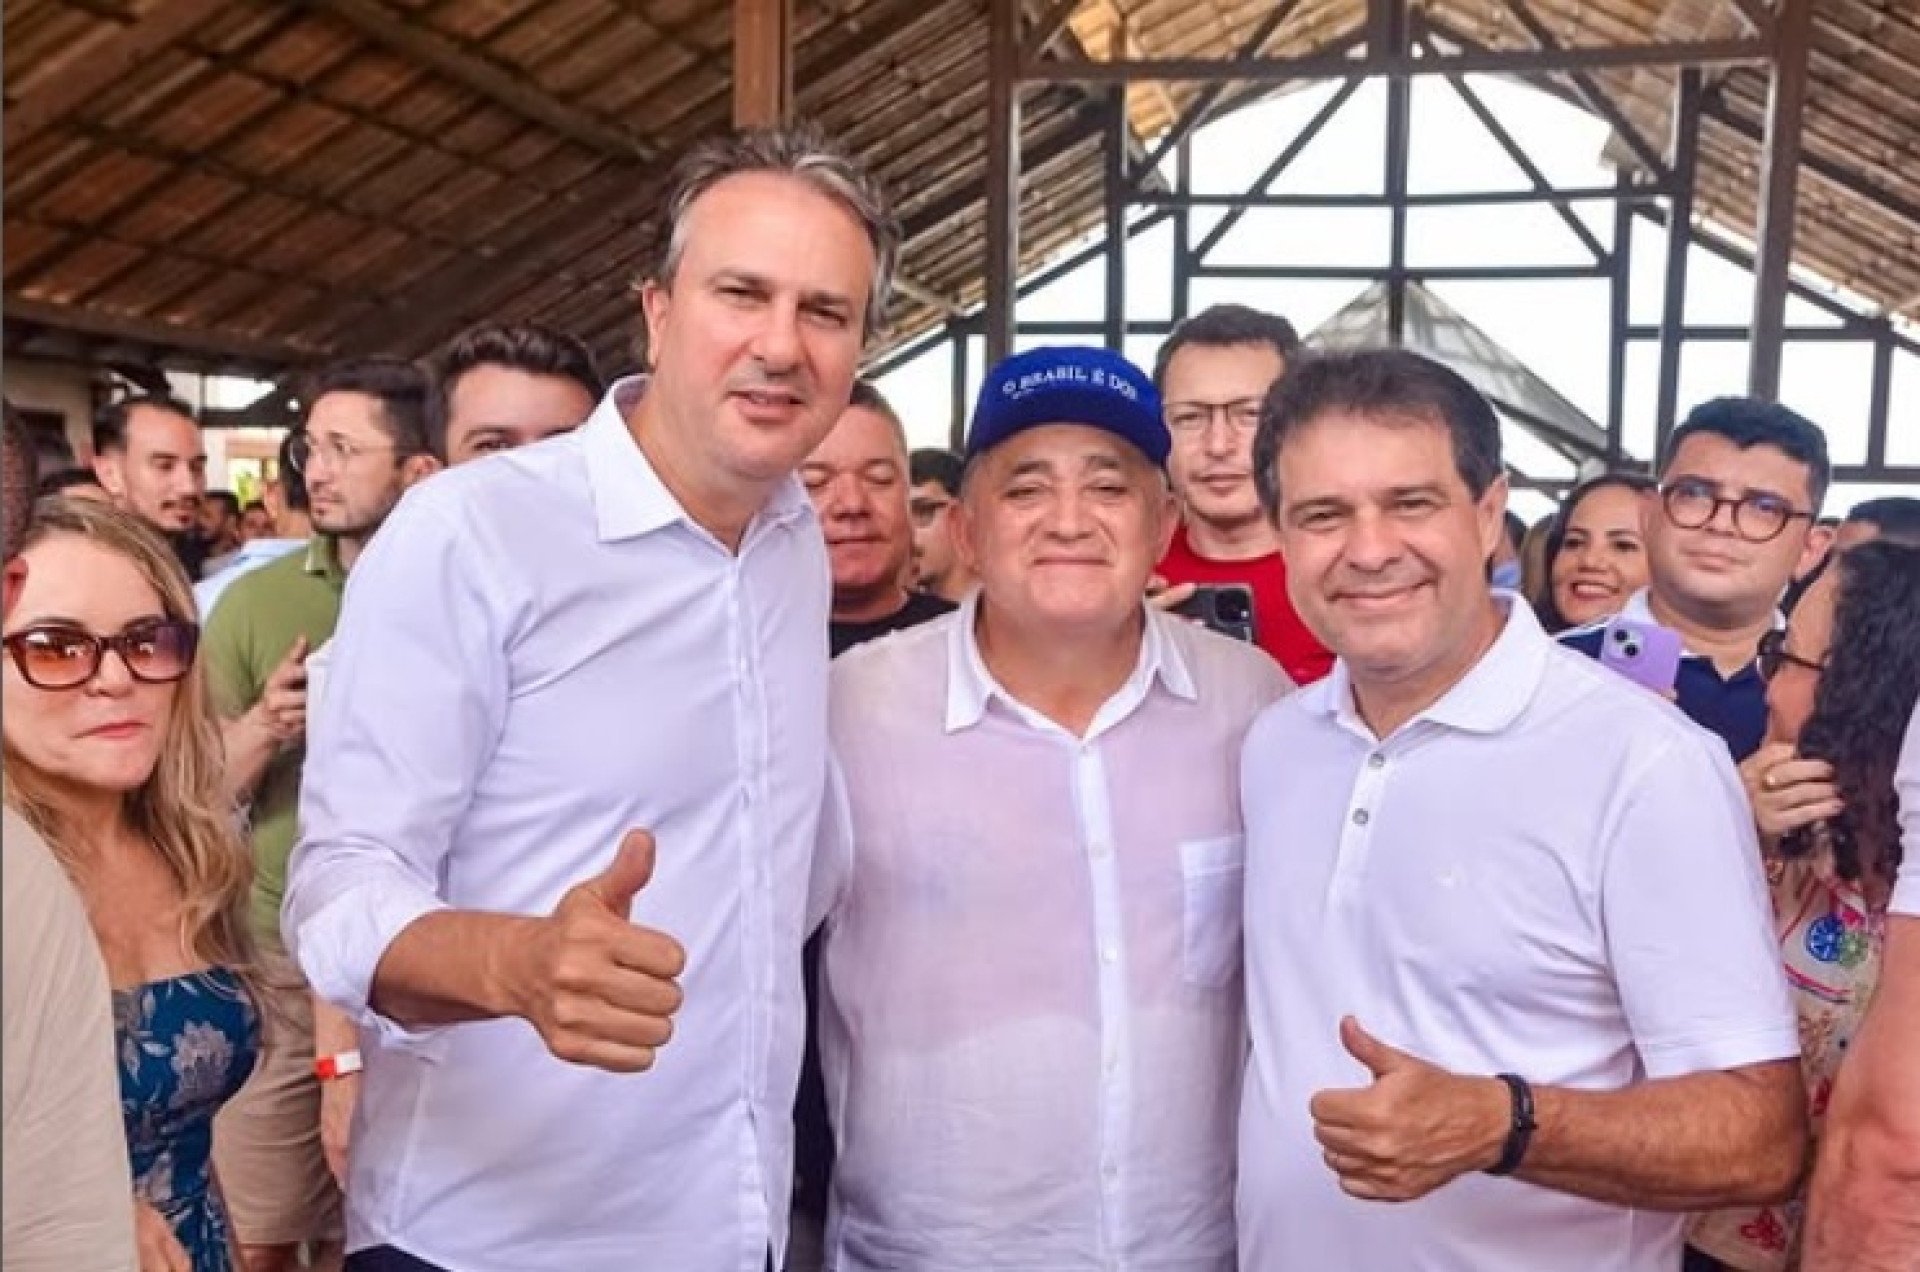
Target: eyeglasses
927,511
1774,655
301,450
1757,518
155,653
1242,414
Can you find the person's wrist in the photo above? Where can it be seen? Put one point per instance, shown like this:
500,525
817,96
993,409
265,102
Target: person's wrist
1495,1121
506,958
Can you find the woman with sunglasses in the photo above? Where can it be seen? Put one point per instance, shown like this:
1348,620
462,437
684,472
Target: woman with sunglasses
113,755
1842,681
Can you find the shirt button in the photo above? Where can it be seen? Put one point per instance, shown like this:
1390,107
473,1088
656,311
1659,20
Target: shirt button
1112,1171
1359,816
1099,848
1376,760
1108,954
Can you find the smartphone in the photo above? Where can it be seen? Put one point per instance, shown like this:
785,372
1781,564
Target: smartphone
1645,653
1226,608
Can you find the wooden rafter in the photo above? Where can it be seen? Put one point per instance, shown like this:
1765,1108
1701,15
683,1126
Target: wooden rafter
59,91
414,40
163,335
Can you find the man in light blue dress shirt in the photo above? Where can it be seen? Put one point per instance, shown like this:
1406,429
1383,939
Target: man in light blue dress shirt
568,770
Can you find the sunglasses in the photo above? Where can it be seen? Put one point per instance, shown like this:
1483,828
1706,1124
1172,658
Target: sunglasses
156,652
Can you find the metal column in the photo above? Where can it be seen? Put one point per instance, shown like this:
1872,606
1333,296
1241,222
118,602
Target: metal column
1779,180
1684,162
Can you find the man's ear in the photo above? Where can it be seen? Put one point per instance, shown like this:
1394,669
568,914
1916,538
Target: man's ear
417,468
1493,516
655,303
1819,544
109,469
961,528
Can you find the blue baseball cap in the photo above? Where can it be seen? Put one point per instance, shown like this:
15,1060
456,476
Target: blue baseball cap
1069,385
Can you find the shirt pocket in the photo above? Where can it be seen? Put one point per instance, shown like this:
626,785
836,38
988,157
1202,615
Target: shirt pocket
1213,875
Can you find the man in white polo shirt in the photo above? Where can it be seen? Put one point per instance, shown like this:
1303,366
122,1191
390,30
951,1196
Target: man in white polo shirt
1504,911
1864,1207
1031,1013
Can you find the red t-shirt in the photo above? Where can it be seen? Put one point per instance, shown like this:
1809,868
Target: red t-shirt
1278,627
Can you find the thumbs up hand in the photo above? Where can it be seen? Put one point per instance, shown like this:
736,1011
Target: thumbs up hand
1413,1128
600,989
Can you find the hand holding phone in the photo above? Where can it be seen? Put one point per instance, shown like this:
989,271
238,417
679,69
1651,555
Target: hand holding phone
1645,653
1226,608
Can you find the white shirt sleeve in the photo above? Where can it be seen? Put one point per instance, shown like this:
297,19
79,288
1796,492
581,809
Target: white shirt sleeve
1688,921
832,851
1906,785
415,699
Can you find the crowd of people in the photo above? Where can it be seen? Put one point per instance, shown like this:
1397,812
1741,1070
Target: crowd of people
571,826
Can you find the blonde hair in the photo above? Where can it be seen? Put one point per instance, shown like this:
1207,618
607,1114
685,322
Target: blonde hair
180,809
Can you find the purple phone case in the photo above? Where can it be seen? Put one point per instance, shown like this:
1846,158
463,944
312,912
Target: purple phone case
1645,653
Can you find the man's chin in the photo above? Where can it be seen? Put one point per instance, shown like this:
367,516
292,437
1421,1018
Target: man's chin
1225,517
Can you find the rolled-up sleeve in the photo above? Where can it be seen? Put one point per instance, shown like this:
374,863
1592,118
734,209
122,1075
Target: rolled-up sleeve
414,700
1688,922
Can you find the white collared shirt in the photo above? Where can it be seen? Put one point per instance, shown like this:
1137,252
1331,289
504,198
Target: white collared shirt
538,652
1549,872
1031,1021
1906,785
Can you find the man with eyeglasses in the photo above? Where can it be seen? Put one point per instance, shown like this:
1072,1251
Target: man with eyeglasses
938,567
1213,372
1740,487
364,442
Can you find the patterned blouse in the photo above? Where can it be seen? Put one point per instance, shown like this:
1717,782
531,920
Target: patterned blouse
1831,945
186,1046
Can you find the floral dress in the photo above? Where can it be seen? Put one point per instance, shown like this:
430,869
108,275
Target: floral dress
1830,944
186,1046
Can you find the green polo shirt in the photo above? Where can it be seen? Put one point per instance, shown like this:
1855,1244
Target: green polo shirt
251,630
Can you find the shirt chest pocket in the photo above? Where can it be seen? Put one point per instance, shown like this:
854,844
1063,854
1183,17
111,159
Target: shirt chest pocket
1213,874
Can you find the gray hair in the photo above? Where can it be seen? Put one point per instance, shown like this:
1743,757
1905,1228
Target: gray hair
803,153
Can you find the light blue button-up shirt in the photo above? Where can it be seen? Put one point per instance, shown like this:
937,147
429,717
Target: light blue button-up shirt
539,652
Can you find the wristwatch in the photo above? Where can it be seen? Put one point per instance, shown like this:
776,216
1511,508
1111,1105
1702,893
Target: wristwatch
1520,1133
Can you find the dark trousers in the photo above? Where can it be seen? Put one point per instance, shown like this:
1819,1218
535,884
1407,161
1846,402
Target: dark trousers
1698,1262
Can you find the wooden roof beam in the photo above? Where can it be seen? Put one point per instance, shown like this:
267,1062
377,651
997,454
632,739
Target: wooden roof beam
1852,184
416,42
601,204
57,93
158,335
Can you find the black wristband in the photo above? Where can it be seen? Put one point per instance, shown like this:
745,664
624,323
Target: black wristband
1520,1134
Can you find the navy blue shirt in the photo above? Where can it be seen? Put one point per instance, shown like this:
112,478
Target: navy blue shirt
1733,707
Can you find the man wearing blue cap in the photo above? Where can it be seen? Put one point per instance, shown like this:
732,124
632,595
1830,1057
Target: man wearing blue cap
1031,1012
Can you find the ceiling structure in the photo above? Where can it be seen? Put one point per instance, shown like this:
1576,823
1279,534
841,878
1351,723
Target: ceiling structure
251,185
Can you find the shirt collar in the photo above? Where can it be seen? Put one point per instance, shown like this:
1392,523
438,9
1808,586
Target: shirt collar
324,559
971,686
1639,609
1489,698
629,499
